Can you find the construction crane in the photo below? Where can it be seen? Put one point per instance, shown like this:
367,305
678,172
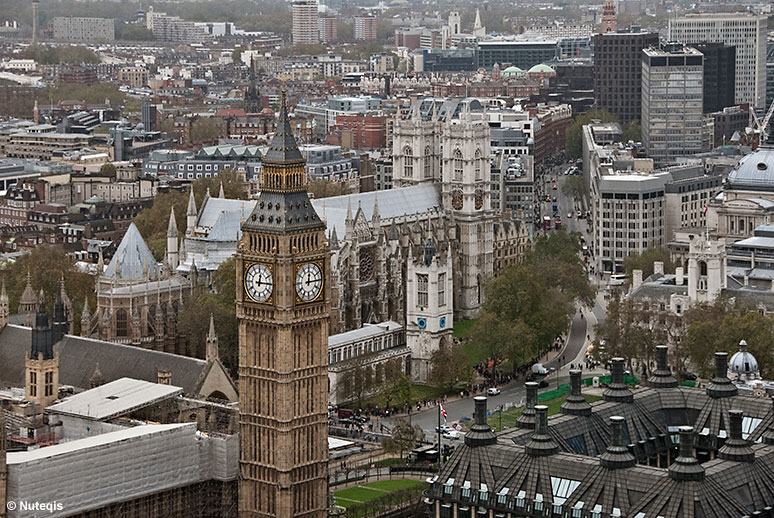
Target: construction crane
760,129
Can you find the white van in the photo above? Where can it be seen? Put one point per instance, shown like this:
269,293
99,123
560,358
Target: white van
617,279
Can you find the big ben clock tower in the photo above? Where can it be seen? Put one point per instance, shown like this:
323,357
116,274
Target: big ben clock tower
283,308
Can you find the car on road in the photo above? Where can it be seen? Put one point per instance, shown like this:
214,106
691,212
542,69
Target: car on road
444,429
542,384
554,187
492,391
553,199
452,435
569,215
688,376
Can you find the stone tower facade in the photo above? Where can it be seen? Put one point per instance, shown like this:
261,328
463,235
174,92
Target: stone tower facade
42,364
706,269
609,23
455,23
283,309
466,192
416,150
429,310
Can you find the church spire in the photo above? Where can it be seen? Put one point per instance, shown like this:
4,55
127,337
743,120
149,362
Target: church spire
212,342
172,242
191,214
221,194
85,319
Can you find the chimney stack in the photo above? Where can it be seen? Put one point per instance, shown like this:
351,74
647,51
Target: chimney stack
736,448
721,386
575,404
527,417
636,279
686,466
164,377
541,444
662,376
617,390
617,455
480,433
679,274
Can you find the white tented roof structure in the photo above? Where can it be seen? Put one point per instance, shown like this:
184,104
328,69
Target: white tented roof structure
114,399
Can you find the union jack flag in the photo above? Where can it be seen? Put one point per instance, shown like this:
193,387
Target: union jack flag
443,413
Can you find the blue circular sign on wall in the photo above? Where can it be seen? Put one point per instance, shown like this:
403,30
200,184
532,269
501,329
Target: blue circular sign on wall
443,322
422,323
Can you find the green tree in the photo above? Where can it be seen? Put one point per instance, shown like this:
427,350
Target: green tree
574,137
303,50
207,129
449,366
108,169
358,381
404,437
632,131
645,260
574,187
528,305
236,55
345,31
135,32
46,55
193,319
46,266
719,327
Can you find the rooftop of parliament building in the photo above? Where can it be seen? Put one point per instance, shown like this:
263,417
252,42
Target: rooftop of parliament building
663,451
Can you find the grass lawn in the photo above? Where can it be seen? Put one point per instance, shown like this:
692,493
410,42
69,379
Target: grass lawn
509,418
357,495
463,328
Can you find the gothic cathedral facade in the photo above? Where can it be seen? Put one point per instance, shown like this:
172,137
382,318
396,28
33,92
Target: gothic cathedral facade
283,309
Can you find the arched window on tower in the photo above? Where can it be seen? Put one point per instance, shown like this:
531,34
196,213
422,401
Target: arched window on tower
478,165
408,162
122,323
428,163
457,165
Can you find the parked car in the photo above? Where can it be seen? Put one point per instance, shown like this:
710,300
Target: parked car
688,376
492,391
542,384
452,435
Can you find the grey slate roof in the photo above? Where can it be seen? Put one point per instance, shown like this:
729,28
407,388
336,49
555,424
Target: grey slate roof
283,148
79,356
133,256
580,482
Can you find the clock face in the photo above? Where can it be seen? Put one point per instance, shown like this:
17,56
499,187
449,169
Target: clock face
457,199
258,282
309,282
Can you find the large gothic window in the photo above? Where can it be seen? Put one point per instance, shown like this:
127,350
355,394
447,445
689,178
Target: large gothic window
478,165
457,165
408,162
122,323
422,286
428,163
